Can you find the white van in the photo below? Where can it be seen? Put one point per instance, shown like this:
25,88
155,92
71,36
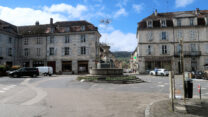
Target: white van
45,70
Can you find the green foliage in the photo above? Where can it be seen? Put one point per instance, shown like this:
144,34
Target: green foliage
124,57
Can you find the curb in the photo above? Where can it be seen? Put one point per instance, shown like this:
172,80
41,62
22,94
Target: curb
148,108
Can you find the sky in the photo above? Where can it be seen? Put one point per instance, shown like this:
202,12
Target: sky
123,15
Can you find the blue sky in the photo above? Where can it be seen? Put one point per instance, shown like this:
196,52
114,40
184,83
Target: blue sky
124,15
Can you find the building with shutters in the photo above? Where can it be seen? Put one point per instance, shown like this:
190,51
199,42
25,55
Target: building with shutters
158,41
68,46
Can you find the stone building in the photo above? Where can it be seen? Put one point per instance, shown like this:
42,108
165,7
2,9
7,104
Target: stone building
134,61
159,38
68,46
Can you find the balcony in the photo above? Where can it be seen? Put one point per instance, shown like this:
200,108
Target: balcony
188,54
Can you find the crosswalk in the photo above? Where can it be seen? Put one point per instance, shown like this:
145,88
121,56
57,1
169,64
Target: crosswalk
4,89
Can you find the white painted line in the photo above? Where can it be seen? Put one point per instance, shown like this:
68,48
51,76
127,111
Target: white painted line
5,89
161,85
2,91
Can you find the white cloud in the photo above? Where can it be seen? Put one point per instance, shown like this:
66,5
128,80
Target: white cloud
137,7
120,12
105,28
120,41
28,16
74,12
183,3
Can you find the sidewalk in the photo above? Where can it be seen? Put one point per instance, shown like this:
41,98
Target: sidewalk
193,108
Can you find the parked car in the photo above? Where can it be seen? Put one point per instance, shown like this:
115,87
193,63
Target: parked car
25,71
45,70
161,72
198,74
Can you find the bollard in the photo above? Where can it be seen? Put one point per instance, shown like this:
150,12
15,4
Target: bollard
199,91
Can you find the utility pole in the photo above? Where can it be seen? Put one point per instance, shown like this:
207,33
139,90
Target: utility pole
182,66
171,77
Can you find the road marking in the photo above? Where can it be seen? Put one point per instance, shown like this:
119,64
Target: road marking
2,91
5,88
161,85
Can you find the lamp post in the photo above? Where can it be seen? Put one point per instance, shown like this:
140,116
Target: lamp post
182,68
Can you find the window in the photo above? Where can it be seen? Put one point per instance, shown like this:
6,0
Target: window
178,22
149,24
83,50
51,39
9,51
38,51
83,38
66,51
38,40
163,23
164,49
164,36
67,39
51,51
178,48
192,35
179,35
191,21
150,36
82,28
26,41
10,40
149,50
26,52
193,47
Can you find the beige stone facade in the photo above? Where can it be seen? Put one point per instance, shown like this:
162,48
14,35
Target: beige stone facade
69,47
159,36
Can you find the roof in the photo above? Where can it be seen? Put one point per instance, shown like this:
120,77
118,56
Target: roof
170,15
7,27
58,27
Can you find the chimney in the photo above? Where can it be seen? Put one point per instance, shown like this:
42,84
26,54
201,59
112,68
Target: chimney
51,21
197,11
37,23
155,12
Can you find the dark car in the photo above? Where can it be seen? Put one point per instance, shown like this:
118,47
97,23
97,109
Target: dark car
33,72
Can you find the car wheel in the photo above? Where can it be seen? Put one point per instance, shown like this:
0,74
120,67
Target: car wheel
15,75
162,74
34,75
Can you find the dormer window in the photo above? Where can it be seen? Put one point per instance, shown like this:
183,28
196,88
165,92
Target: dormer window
83,28
191,21
149,24
163,22
178,22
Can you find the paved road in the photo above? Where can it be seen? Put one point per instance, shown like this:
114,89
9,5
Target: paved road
63,96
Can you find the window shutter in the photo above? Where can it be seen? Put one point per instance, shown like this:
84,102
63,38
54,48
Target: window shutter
152,50
168,49
62,51
167,36
79,51
12,51
206,48
48,51
160,47
160,36
0,51
28,52
87,50
147,50
55,51
7,54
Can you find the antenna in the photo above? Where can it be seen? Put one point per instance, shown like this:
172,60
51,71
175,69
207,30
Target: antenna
106,22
